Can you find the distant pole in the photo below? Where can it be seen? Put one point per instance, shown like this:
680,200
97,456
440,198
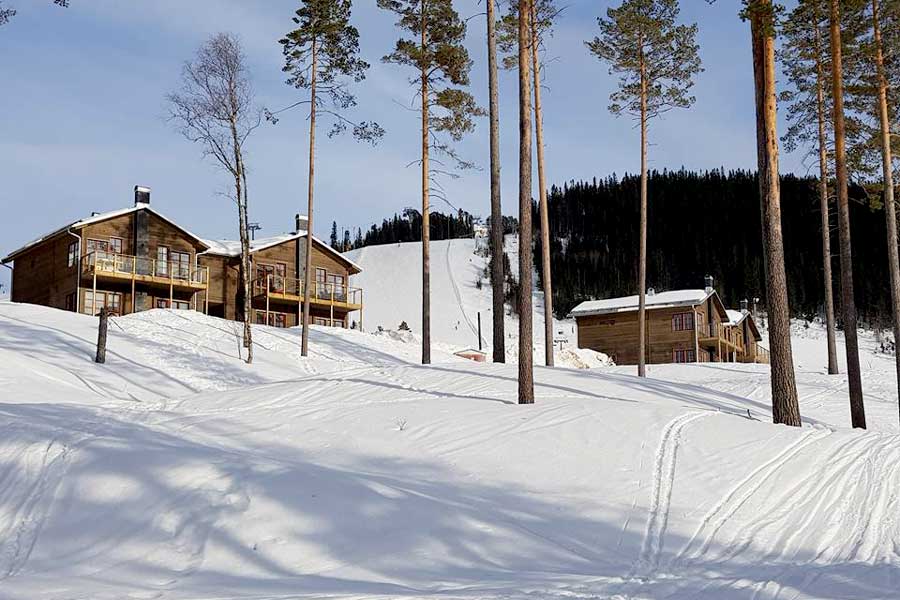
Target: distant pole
101,336
479,331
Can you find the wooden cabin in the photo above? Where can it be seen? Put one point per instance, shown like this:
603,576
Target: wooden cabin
278,281
136,259
681,326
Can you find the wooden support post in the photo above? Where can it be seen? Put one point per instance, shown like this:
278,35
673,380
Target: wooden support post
94,295
101,336
171,286
206,299
360,310
133,277
331,324
268,287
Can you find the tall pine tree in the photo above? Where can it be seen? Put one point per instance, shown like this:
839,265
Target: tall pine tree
806,61
656,61
441,64
322,56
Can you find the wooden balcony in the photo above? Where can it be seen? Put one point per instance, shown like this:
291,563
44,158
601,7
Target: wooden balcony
719,336
105,266
329,295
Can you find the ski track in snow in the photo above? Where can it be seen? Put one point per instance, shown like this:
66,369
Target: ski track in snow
661,494
27,488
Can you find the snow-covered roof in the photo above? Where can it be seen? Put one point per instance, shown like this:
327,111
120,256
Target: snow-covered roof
653,301
735,316
96,218
233,247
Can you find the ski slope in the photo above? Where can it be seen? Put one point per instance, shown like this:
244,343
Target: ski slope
392,280
176,471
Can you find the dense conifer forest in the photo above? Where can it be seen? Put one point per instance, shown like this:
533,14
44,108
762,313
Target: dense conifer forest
407,227
706,223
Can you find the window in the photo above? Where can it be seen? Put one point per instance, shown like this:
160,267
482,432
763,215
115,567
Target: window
176,304
162,261
321,288
72,255
181,265
336,285
278,272
683,321
115,245
92,304
683,356
276,319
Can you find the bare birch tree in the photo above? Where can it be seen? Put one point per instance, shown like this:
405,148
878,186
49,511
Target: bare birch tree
215,107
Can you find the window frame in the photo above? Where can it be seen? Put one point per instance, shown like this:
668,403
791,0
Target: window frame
72,254
683,321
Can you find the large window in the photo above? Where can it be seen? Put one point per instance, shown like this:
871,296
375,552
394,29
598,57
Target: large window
115,245
181,265
336,285
683,321
93,303
278,272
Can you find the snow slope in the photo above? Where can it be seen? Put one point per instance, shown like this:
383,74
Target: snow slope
392,282
176,471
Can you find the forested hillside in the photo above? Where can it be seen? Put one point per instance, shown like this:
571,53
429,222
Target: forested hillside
705,223
407,227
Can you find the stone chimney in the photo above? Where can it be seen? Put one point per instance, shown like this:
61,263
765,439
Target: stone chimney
745,304
709,284
301,223
141,195
651,292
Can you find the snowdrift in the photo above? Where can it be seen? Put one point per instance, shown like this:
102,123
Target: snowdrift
176,471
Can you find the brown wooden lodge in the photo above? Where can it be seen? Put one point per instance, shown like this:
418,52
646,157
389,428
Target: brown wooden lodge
136,259
681,326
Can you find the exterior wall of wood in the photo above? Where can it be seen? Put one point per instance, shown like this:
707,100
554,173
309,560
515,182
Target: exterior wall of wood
616,335
41,274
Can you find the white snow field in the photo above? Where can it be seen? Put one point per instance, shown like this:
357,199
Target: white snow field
175,471
392,284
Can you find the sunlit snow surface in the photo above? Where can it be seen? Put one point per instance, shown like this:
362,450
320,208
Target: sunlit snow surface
177,471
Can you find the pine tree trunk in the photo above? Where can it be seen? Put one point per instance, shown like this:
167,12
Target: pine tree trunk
426,221
857,409
823,204
785,406
526,338
642,254
307,270
886,166
497,275
547,279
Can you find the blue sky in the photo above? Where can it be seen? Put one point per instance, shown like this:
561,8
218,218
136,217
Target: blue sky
82,116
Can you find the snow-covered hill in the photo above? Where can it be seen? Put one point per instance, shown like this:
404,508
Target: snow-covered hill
392,283
175,471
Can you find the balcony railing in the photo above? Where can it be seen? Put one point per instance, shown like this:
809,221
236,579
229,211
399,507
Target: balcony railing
136,267
718,331
322,293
